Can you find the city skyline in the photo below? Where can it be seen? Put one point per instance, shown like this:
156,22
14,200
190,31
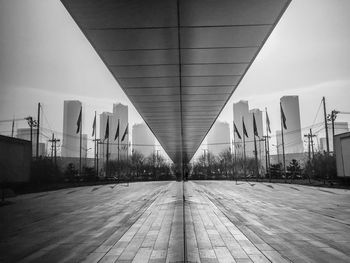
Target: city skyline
267,80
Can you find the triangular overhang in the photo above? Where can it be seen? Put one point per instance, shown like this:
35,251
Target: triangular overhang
178,61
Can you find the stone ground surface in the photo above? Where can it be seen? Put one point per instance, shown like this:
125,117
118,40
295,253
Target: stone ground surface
144,222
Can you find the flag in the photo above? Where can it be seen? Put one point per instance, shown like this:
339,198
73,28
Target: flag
244,129
283,117
268,122
107,129
236,131
254,126
125,132
94,126
117,132
79,121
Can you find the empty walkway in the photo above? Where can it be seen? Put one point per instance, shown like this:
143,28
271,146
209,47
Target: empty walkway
143,222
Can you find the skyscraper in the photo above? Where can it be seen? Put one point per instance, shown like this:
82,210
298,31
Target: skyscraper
143,140
293,142
71,139
219,138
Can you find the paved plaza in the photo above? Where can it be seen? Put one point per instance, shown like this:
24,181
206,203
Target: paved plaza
220,221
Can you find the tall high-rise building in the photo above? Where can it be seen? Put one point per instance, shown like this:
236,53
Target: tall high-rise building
24,134
71,139
143,140
339,127
219,138
293,142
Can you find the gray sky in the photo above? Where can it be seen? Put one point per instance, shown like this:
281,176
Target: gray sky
44,57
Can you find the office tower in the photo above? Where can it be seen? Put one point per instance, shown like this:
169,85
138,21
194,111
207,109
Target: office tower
143,140
293,142
339,127
120,112
24,134
219,138
71,139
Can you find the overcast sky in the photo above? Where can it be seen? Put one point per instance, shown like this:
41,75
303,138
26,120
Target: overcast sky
44,57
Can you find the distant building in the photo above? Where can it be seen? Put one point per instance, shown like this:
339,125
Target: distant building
24,134
293,142
219,138
339,127
71,139
143,140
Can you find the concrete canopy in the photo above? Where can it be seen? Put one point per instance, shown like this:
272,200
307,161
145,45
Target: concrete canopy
178,61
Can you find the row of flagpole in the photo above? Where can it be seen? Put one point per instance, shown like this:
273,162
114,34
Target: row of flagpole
97,141
266,138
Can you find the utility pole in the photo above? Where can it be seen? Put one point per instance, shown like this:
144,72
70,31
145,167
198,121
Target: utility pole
54,148
308,145
325,123
13,127
333,117
32,123
312,143
52,140
38,133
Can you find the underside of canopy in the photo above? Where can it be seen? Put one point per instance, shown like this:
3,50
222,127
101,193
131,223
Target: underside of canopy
178,61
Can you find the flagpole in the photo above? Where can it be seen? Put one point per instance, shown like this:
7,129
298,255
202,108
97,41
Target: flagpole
127,159
118,141
118,150
244,154
256,157
95,152
107,156
267,146
283,153
236,174
80,138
